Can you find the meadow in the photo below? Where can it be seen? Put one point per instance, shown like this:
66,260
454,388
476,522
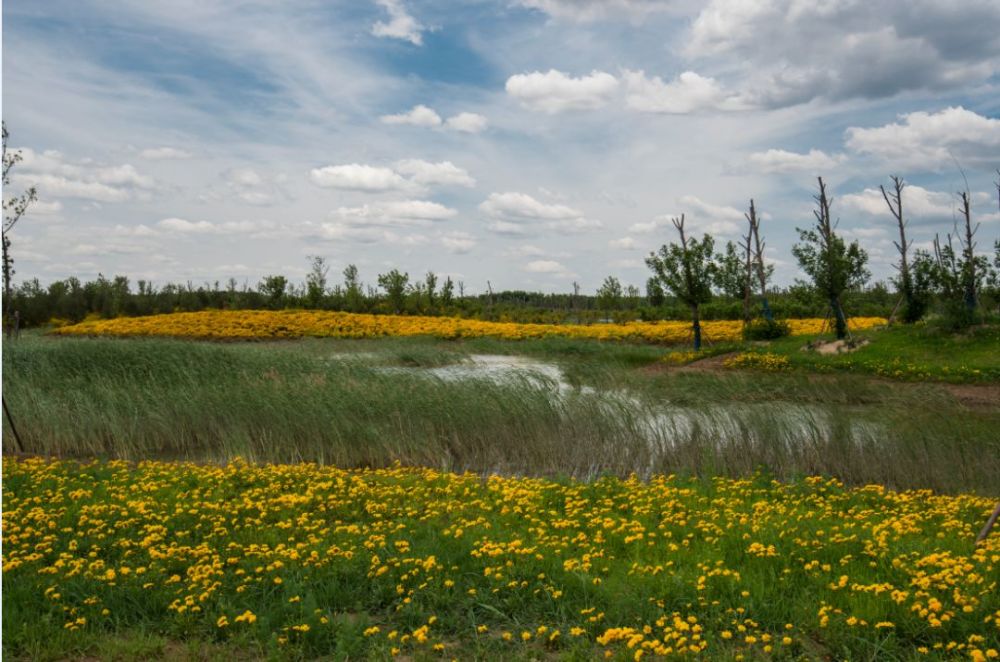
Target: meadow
240,561
333,491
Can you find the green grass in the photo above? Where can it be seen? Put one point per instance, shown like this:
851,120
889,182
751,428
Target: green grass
915,353
158,560
290,401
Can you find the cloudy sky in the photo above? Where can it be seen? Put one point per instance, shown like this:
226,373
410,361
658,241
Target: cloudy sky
526,142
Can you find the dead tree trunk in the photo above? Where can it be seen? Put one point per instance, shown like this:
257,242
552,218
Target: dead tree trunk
969,252
761,269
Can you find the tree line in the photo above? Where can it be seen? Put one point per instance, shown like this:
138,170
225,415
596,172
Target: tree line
689,279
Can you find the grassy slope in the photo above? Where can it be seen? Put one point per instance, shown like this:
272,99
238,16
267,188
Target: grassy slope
287,402
908,352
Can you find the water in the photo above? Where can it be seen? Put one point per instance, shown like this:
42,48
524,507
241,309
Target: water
663,424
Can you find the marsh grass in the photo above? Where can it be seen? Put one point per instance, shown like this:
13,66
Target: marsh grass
291,401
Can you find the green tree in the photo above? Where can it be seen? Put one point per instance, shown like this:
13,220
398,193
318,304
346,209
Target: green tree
394,284
354,295
609,295
274,288
447,292
316,281
654,292
832,265
430,280
687,271
731,275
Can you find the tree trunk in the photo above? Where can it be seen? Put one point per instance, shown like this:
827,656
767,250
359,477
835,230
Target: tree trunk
768,315
841,321
696,327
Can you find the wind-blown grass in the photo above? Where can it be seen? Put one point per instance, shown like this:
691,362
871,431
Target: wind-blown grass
286,402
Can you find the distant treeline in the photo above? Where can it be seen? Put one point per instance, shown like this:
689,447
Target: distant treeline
72,300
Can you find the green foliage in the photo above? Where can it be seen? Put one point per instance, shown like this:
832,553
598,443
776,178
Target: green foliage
274,288
731,272
316,281
394,283
609,295
765,329
832,264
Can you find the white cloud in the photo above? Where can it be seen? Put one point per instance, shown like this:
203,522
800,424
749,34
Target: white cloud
782,161
650,226
467,122
458,242
932,140
394,213
426,173
917,202
592,10
554,91
57,177
628,243
419,115
253,229
164,154
522,207
689,93
357,177
713,219
786,52
401,24
44,208
545,267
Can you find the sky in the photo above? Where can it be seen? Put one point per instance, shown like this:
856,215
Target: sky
526,143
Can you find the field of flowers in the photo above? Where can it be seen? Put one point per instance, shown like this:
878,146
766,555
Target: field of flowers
263,324
304,560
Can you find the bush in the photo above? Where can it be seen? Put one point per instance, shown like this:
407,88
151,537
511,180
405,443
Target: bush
764,329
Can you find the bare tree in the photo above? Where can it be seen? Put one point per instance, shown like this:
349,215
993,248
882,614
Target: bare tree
969,265
13,209
763,271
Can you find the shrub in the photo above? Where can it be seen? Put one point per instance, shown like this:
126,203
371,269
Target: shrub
764,329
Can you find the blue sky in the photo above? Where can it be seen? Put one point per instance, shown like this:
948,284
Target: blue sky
531,143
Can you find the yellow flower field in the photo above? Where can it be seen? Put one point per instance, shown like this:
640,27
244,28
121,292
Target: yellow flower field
304,560
262,324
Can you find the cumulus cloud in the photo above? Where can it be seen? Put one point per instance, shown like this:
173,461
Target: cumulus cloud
358,177
174,225
554,91
458,242
419,115
931,140
401,25
628,243
394,213
918,202
58,177
164,154
782,161
700,216
688,93
790,52
467,122
511,210
545,267
426,173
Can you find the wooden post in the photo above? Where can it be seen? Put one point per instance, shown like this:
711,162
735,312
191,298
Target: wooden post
989,525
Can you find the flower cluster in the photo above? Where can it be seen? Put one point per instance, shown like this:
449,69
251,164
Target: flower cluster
263,324
758,361
421,563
